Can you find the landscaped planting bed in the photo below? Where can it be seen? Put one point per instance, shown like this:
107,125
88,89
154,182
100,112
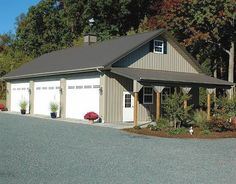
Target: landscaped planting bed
197,133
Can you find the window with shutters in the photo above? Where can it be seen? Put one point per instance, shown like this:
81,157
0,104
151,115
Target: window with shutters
158,46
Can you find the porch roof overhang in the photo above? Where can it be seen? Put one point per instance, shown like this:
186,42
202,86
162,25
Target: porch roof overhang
169,78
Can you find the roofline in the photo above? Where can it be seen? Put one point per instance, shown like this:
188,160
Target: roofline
134,48
53,73
206,85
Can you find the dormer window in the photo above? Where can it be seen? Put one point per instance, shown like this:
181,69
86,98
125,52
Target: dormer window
158,46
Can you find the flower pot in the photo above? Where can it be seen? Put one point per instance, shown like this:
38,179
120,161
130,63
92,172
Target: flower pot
53,114
23,111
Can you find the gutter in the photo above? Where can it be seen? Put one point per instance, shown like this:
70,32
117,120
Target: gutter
62,72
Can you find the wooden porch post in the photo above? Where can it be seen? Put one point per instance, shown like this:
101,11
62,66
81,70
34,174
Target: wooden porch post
158,90
185,104
135,108
136,89
209,92
208,106
186,91
158,105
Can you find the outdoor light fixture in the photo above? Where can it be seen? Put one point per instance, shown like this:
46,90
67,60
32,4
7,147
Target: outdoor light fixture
29,91
100,90
61,91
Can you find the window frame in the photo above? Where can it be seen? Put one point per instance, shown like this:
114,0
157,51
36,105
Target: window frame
144,102
156,46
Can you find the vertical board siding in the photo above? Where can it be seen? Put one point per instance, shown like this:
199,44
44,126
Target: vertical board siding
143,58
115,86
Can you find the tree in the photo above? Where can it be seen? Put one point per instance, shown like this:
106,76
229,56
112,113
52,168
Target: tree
206,28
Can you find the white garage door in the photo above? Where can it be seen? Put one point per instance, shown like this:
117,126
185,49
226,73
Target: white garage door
19,92
45,93
82,96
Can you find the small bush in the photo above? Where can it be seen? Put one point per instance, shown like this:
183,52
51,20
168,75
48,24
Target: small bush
137,127
163,124
220,125
200,119
177,131
206,132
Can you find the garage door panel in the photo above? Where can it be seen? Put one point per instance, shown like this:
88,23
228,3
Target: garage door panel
45,93
82,97
19,92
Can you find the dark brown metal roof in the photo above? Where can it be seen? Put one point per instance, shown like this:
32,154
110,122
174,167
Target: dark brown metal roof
97,55
168,77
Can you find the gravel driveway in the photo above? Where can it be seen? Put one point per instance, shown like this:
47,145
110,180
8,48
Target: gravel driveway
38,151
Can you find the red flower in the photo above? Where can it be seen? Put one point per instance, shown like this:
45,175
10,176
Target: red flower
2,106
91,116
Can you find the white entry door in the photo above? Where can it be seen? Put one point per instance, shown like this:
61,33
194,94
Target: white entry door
19,92
128,106
44,93
82,96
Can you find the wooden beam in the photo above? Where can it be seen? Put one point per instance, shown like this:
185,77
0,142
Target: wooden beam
208,106
185,104
135,108
158,106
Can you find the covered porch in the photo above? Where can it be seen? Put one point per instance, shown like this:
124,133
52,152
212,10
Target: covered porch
160,80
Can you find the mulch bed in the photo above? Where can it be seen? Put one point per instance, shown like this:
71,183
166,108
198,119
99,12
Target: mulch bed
197,134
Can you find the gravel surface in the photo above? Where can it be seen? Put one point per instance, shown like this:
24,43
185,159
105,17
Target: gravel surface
38,151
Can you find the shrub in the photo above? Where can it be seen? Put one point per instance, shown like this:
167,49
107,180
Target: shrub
218,124
177,131
206,132
226,106
173,107
163,124
137,127
200,119
54,107
153,127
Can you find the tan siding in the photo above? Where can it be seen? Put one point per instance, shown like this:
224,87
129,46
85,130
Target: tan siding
142,58
115,86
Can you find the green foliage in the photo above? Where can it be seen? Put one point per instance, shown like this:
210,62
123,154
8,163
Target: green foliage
54,24
200,119
177,131
206,132
153,127
226,106
54,107
174,109
163,123
23,104
137,127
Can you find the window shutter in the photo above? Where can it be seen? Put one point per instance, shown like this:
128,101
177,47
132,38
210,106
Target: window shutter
151,46
140,96
165,47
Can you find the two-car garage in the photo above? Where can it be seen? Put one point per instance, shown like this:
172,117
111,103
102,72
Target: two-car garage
81,96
